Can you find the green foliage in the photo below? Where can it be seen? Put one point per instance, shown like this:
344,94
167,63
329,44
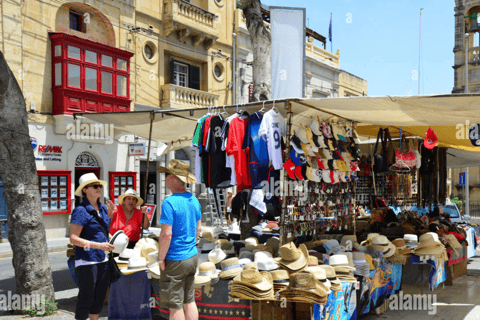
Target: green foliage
458,202
50,308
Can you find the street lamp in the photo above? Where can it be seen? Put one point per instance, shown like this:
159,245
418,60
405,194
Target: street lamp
466,62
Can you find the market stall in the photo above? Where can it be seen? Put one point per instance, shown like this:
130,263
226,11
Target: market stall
299,162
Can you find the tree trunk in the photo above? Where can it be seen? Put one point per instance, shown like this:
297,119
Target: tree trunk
262,77
26,232
262,50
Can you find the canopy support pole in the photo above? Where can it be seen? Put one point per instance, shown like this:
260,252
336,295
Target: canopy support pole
152,117
285,177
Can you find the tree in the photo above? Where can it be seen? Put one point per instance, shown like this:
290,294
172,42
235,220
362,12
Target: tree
262,78
262,50
26,232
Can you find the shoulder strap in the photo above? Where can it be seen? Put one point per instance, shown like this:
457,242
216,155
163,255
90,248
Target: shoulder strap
100,223
379,136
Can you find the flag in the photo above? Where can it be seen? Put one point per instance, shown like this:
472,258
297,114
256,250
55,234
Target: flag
330,29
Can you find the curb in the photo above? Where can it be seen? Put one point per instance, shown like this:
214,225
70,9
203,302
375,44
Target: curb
8,254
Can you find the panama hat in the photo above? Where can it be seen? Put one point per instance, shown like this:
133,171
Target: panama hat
86,179
120,241
135,264
251,241
244,261
180,169
429,246
320,275
265,261
146,245
303,286
340,262
130,193
216,255
335,283
153,266
206,272
230,268
226,246
124,256
383,245
280,279
293,258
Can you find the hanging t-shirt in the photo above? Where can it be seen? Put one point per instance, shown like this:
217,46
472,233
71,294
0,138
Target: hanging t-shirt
219,173
197,144
230,160
274,128
203,153
236,134
258,150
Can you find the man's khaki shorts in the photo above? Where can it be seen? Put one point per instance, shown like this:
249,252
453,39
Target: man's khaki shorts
176,283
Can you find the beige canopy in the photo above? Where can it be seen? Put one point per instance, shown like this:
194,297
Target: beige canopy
449,116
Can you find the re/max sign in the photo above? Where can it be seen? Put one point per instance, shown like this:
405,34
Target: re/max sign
50,149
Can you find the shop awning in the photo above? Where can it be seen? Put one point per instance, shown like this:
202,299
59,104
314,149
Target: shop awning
448,115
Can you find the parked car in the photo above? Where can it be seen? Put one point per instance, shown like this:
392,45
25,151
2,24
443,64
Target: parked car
455,215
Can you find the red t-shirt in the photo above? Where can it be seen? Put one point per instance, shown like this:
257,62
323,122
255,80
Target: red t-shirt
236,133
119,222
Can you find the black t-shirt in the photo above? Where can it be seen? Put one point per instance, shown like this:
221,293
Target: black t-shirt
218,171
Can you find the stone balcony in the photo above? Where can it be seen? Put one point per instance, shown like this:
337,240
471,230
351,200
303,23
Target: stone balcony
191,21
322,54
474,55
174,96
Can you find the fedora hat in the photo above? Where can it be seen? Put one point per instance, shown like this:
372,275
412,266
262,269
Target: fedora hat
304,286
340,262
152,265
312,261
216,255
207,247
124,256
135,264
120,241
206,272
244,261
180,169
265,261
383,245
130,193
144,246
226,246
255,279
230,268
429,246
280,278
207,234
251,241
335,283
273,242
401,246
86,179
320,275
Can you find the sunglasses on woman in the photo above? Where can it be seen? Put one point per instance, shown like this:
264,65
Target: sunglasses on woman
96,186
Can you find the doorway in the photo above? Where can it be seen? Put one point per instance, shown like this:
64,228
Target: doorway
152,189
79,171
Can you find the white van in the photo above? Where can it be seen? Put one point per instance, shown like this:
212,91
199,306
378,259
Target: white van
455,215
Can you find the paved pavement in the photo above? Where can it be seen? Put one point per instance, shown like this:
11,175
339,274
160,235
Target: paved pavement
460,301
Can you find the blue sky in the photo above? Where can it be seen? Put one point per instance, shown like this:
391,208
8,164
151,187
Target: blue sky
380,41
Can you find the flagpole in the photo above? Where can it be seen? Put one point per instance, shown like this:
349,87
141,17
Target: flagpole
331,42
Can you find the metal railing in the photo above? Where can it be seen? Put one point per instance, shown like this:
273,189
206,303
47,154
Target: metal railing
475,210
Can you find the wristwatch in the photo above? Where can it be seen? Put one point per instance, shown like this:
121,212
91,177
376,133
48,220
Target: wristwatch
162,261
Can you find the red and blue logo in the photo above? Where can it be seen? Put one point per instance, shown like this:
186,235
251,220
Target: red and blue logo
34,142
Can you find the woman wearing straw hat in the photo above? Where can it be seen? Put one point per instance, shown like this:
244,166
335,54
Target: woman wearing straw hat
181,221
128,218
88,221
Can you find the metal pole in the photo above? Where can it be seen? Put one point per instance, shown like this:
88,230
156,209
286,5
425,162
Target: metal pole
152,117
234,70
466,62
419,47
467,193
285,179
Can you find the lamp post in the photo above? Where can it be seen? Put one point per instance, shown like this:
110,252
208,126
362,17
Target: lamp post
466,62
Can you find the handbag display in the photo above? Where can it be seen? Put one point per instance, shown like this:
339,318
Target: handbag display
405,158
390,150
380,159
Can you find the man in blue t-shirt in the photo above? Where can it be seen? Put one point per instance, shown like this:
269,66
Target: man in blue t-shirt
177,253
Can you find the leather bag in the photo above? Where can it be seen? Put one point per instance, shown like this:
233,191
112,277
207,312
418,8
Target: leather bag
380,159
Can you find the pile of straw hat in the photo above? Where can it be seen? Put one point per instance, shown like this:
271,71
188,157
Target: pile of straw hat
335,283
152,265
226,246
320,275
135,264
342,268
280,279
125,255
362,267
452,242
253,284
383,245
145,246
303,287
292,258
206,273
430,246
402,253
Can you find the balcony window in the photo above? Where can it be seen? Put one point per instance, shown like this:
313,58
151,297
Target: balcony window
73,75
185,75
87,72
76,22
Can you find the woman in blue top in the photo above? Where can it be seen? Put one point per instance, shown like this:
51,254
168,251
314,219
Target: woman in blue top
91,262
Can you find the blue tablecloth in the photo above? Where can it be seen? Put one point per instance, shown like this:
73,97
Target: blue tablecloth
438,273
129,298
341,305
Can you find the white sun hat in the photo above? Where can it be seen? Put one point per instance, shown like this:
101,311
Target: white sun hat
216,255
130,193
86,179
120,241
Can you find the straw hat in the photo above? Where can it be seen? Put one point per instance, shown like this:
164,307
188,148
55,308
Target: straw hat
124,256
320,275
292,258
206,272
86,179
429,246
253,279
230,268
369,260
120,241
180,169
246,255
340,263
250,265
207,247
312,261
383,245
274,243
152,265
130,193
398,258
146,245
207,234
401,247
280,279
450,238
303,287
370,236
335,283
226,246
135,264
251,241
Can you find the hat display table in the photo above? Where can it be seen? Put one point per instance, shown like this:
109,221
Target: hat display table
430,272
129,297
215,302
457,264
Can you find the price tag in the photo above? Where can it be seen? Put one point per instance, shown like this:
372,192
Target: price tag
357,285
314,231
345,227
314,217
289,235
317,190
340,228
328,229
